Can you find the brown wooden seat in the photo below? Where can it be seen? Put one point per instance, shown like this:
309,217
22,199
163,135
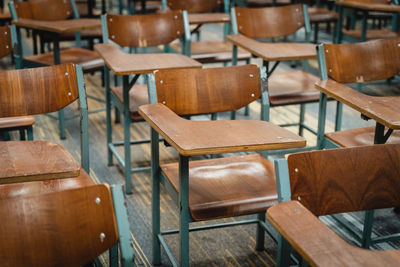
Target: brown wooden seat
319,15
219,187
58,10
26,92
22,123
138,95
276,22
206,51
64,228
334,181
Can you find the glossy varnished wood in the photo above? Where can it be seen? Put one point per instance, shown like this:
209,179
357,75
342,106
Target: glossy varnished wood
12,122
227,187
317,14
6,47
383,109
269,22
318,244
145,30
35,160
346,180
344,62
199,91
24,189
194,6
369,5
26,92
57,229
122,63
295,87
274,51
44,9
372,34
58,26
214,137
204,18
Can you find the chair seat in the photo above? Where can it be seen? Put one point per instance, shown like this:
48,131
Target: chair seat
14,122
86,34
212,51
43,187
226,187
138,96
372,34
24,161
317,14
359,137
292,88
89,59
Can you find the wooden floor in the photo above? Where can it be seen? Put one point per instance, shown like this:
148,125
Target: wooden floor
222,247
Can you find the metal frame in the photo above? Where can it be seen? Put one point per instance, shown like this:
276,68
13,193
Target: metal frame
123,107
182,198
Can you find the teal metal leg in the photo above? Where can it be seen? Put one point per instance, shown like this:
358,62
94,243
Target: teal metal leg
339,113
284,250
246,110
184,217
61,123
214,116
233,115
22,136
338,35
301,121
321,120
367,230
108,114
155,202
113,256
364,27
127,135
234,55
30,133
260,232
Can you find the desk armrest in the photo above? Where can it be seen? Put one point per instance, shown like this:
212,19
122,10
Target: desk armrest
383,109
318,244
215,137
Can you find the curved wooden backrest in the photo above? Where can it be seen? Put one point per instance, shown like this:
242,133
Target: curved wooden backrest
269,22
346,179
6,47
199,91
145,30
194,6
362,62
37,90
65,228
44,9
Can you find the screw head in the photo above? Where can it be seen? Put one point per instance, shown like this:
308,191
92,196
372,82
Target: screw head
97,200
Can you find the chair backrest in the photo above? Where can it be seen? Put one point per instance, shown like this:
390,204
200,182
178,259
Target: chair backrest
270,22
65,228
194,6
45,90
360,62
6,47
345,179
144,30
200,91
44,9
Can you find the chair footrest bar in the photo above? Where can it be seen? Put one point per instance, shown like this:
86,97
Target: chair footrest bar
352,229
117,155
140,169
269,230
167,251
133,142
386,238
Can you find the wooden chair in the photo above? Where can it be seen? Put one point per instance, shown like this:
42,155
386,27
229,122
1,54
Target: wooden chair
22,123
284,88
328,182
219,187
38,91
136,32
208,51
65,228
346,63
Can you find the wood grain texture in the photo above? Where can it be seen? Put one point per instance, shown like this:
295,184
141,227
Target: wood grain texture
205,18
359,137
58,26
318,244
194,6
11,122
372,34
274,51
295,87
23,10
34,188
37,91
145,30
122,63
57,229
24,161
383,109
50,9
200,91
345,63
369,6
215,137
347,179
227,187
6,47
317,14
212,51
269,22
138,95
